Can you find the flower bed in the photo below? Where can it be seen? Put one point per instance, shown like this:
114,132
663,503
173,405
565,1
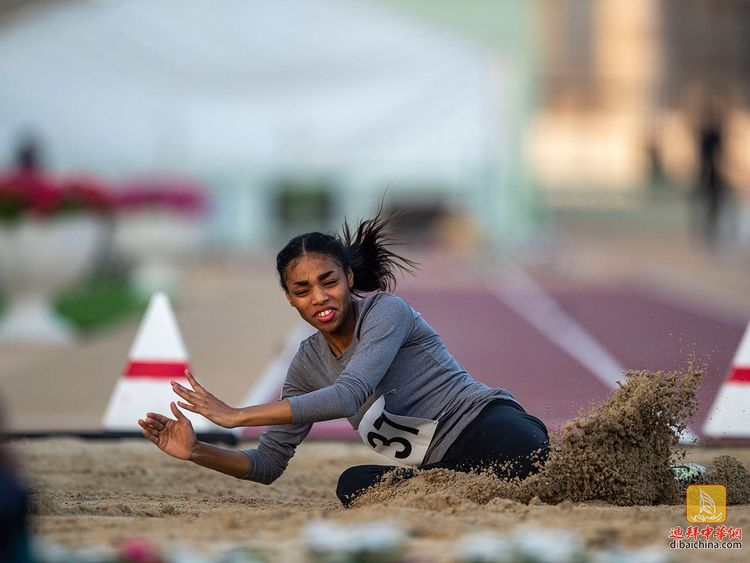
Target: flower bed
52,231
27,193
160,224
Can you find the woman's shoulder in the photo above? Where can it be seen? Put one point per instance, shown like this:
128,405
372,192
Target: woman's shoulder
310,354
384,300
384,304
311,345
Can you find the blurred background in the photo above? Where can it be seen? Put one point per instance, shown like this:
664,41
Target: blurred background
580,138
291,115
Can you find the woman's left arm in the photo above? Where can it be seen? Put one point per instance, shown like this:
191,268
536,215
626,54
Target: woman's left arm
200,401
385,327
384,331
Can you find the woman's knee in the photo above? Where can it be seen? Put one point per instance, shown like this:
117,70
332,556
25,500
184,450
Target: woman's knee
356,480
532,462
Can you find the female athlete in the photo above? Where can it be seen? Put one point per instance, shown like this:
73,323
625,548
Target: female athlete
373,360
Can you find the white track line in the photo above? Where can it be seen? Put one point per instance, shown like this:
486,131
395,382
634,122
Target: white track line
527,298
531,302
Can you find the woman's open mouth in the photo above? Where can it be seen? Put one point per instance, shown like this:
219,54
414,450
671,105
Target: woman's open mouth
325,315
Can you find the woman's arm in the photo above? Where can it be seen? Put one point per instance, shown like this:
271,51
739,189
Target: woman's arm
200,401
384,328
177,438
230,462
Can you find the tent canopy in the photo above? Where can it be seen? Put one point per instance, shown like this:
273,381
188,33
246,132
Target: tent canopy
349,88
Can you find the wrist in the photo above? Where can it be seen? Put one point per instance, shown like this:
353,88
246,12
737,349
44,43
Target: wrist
241,417
236,418
196,452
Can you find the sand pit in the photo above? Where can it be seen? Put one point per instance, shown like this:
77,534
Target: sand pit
103,493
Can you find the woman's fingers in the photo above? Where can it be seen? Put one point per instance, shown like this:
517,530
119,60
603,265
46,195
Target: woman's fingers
188,407
151,437
193,382
150,432
153,423
183,392
177,412
155,416
192,397
196,387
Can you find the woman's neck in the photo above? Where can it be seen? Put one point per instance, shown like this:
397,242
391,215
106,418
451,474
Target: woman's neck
340,340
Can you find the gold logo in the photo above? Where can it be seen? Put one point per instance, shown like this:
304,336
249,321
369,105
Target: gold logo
706,503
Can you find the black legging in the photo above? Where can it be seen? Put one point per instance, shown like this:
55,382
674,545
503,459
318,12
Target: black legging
503,437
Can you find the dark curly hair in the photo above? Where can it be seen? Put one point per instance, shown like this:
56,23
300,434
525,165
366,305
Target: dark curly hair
364,250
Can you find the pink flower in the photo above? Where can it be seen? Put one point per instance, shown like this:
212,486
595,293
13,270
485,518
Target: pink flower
28,191
139,550
169,194
83,192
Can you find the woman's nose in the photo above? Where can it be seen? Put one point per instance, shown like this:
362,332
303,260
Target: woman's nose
319,295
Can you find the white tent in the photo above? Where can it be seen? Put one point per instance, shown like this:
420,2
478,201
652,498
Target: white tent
240,91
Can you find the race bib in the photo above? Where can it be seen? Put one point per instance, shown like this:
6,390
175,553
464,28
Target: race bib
404,439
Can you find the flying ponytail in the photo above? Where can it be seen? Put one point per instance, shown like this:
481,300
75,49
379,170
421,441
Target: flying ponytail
374,265
365,250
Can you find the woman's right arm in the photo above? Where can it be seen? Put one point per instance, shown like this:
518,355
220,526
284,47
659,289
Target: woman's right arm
177,438
231,462
265,464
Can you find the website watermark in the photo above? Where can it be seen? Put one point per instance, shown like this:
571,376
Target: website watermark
706,505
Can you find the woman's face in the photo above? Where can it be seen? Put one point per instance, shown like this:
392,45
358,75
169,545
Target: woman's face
319,288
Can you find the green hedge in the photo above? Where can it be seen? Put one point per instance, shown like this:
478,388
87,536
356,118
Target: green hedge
96,304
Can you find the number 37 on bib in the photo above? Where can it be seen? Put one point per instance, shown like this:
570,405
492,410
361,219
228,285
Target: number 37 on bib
403,439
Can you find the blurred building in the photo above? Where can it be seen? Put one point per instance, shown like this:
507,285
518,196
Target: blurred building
622,88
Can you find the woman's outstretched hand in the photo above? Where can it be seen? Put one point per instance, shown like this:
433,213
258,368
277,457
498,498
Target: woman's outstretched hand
200,401
174,437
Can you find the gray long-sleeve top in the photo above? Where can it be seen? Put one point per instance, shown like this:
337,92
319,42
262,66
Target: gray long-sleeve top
394,354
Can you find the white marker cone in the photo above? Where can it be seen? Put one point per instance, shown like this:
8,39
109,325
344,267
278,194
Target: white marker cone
157,357
729,416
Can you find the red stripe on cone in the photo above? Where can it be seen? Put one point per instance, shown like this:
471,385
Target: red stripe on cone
740,374
167,370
